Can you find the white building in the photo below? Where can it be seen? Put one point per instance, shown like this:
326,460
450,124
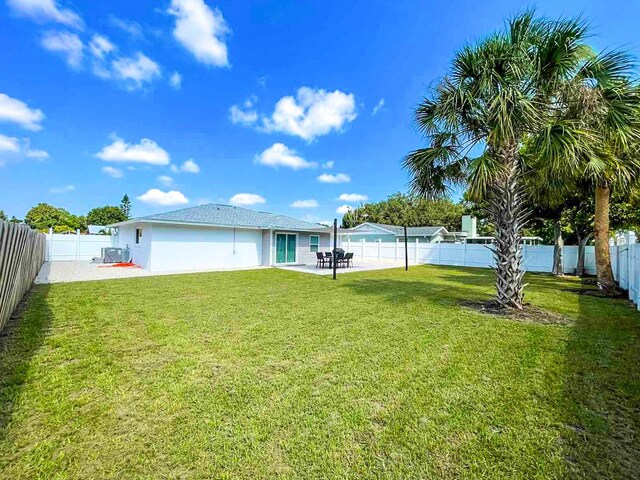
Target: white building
217,236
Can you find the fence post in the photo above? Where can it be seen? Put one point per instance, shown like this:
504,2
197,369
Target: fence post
77,244
464,254
362,245
379,246
349,244
397,242
415,253
439,253
50,244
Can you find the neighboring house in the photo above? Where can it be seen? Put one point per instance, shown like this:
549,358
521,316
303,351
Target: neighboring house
99,230
379,232
216,236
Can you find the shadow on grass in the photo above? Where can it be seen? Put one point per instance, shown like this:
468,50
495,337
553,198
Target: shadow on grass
21,338
602,390
600,407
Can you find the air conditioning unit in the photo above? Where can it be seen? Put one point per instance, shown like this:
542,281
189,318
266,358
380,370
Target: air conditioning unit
112,255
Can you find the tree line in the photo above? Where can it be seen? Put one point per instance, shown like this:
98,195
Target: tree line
43,216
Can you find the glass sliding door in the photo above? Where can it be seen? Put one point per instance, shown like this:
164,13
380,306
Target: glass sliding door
291,248
286,247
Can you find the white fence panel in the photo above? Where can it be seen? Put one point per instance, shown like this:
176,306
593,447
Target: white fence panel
64,247
452,254
479,256
625,261
428,253
536,258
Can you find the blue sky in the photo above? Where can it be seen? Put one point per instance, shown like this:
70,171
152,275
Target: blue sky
268,104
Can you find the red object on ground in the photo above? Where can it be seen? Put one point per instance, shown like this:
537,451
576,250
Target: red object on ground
121,265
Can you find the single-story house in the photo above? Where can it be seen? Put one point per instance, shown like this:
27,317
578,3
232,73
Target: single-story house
216,236
379,232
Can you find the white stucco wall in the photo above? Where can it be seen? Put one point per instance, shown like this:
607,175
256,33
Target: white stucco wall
198,248
140,253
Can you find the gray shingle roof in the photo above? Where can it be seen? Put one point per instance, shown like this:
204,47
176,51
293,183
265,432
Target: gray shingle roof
411,231
228,215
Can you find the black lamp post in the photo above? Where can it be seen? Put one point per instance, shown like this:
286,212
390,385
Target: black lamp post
335,245
406,250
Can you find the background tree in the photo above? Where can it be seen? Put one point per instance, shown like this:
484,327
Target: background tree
44,216
499,94
106,215
125,206
14,219
3,216
409,210
605,100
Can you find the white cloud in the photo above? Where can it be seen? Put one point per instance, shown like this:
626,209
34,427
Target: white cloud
305,204
243,117
65,189
35,153
241,199
128,26
337,178
14,147
112,172
136,70
279,155
328,164
165,180
201,30
188,166
9,144
147,151
377,108
312,113
101,46
158,197
353,197
45,11
16,111
67,44
343,209
175,80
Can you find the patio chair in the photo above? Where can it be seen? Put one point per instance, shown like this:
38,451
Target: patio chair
320,260
348,259
339,259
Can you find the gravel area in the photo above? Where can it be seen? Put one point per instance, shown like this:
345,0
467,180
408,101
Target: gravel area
59,272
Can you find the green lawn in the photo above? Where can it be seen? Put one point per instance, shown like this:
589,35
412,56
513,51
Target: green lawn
269,373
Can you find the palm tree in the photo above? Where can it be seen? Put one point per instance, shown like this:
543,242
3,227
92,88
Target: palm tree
501,94
610,106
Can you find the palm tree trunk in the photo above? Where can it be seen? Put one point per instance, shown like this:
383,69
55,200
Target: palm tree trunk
557,248
507,212
603,255
582,245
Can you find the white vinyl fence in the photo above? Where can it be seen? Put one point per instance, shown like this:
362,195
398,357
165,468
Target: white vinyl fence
75,247
537,258
625,261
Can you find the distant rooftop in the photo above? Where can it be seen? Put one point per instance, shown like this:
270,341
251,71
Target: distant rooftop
399,230
229,216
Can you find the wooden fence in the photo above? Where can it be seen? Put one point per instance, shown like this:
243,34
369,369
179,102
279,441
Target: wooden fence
22,253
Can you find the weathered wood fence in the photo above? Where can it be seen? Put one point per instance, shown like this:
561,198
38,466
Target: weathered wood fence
22,253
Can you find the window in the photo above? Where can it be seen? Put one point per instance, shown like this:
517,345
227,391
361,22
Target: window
138,235
314,243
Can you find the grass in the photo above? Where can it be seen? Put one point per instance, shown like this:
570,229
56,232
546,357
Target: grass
269,373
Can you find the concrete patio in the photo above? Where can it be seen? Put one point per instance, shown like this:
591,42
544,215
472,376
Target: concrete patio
360,266
62,272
